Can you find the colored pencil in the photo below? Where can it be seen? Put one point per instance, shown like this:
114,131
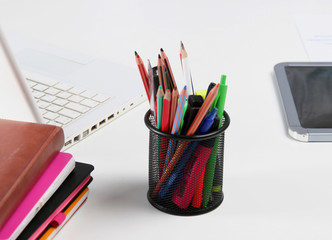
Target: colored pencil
174,104
179,111
203,110
143,74
161,73
151,89
164,128
160,100
169,69
166,111
186,69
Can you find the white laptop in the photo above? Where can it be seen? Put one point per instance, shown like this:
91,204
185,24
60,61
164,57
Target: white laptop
79,93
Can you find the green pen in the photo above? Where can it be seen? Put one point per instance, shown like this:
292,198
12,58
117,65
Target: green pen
211,164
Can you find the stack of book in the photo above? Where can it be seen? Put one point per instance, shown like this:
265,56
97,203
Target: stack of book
40,186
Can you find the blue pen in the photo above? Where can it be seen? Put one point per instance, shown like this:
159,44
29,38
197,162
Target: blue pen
177,174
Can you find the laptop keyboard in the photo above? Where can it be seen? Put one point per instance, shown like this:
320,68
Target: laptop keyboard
60,102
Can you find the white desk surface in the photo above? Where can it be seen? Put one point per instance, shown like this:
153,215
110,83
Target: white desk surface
274,187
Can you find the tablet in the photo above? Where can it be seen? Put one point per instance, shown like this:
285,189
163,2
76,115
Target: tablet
306,93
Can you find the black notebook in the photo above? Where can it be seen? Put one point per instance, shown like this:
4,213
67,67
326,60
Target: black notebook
79,178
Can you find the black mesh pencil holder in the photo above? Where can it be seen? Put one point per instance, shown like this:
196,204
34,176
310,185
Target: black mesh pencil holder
185,172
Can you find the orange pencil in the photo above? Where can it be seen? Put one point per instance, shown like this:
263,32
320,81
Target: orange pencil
174,105
143,73
203,110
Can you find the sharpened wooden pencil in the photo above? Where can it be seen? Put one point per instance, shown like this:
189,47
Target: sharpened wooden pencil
143,74
186,69
169,69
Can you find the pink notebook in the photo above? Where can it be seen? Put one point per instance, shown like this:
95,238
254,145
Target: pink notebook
53,216
48,183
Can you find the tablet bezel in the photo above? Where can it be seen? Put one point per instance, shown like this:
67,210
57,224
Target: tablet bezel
295,129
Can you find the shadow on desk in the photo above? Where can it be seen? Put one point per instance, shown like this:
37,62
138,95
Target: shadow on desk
125,196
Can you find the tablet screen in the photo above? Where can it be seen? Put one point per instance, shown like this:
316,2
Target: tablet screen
311,87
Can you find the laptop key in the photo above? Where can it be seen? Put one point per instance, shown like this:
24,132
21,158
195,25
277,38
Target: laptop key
48,98
42,104
50,115
77,107
37,94
88,94
69,113
75,98
54,108
52,91
63,120
60,102
63,95
40,87
31,83
89,103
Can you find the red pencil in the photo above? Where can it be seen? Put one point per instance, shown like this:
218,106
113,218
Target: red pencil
164,128
166,111
143,73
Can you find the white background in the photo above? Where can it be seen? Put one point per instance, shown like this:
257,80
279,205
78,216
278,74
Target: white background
275,187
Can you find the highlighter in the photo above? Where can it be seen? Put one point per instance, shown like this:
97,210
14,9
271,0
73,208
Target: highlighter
194,104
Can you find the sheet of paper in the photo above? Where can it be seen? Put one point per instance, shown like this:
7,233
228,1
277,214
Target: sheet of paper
316,34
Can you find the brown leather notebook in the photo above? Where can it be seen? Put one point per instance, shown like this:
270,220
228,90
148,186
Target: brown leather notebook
26,149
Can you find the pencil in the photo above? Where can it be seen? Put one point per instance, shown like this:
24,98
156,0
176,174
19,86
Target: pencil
186,69
179,111
161,73
166,111
151,89
143,74
179,151
164,128
169,69
174,104
160,99
203,110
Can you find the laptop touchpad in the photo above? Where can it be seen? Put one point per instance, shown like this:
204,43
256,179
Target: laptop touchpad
47,63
